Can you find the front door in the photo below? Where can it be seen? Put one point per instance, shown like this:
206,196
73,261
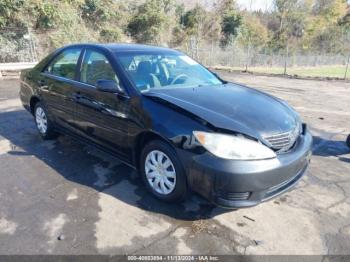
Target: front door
102,117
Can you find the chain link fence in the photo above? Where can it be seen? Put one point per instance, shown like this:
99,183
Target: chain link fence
18,45
293,63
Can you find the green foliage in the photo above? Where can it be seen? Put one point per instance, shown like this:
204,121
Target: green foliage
149,21
200,23
316,25
253,33
226,6
110,35
179,37
229,27
330,10
71,30
9,12
92,8
291,22
193,22
48,15
327,29
100,12
193,19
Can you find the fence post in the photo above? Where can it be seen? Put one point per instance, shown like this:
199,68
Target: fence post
212,54
248,55
347,67
285,60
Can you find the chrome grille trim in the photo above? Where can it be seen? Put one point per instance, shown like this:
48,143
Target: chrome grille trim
282,142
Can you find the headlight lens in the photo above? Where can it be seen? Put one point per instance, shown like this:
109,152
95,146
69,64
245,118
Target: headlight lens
233,147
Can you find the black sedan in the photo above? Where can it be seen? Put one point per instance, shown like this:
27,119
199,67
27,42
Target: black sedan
179,124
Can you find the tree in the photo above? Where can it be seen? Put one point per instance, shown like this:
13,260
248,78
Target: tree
193,20
9,10
326,30
230,20
111,35
225,6
293,25
330,10
149,21
179,36
252,32
230,24
291,16
198,25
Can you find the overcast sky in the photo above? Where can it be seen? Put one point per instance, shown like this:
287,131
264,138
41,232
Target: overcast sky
256,4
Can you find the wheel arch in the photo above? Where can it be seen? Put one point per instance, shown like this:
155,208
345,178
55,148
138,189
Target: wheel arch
348,141
141,140
32,102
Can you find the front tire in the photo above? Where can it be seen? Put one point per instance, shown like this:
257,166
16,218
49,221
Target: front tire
162,172
43,123
348,141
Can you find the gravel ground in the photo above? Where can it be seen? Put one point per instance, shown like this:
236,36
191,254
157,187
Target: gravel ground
63,197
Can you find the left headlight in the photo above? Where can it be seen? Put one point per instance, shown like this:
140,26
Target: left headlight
233,147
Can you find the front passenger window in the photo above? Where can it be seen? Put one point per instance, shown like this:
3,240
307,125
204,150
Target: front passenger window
95,67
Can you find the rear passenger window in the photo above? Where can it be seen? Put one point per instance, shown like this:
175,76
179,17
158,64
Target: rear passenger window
95,67
64,65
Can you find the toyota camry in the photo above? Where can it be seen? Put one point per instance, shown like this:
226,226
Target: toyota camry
176,122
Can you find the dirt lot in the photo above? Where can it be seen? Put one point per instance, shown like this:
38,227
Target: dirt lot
62,197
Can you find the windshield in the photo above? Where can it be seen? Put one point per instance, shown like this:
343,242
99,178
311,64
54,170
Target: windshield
149,71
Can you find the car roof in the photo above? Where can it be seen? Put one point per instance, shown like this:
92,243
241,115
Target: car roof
120,47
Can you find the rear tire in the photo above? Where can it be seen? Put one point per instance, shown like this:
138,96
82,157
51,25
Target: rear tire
43,123
162,172
348,141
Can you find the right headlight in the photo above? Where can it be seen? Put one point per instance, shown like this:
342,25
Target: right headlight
233,147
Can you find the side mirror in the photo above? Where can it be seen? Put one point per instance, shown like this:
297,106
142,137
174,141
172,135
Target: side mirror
109,86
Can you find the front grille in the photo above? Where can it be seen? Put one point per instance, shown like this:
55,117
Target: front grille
283,141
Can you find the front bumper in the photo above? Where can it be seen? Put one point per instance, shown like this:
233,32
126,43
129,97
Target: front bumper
239,184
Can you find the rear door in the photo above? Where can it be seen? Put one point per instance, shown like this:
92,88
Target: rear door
57,86
102,117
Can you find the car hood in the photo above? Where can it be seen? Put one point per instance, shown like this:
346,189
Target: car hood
232,107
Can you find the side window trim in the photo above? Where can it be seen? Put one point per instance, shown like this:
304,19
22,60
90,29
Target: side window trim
59,78
80,65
